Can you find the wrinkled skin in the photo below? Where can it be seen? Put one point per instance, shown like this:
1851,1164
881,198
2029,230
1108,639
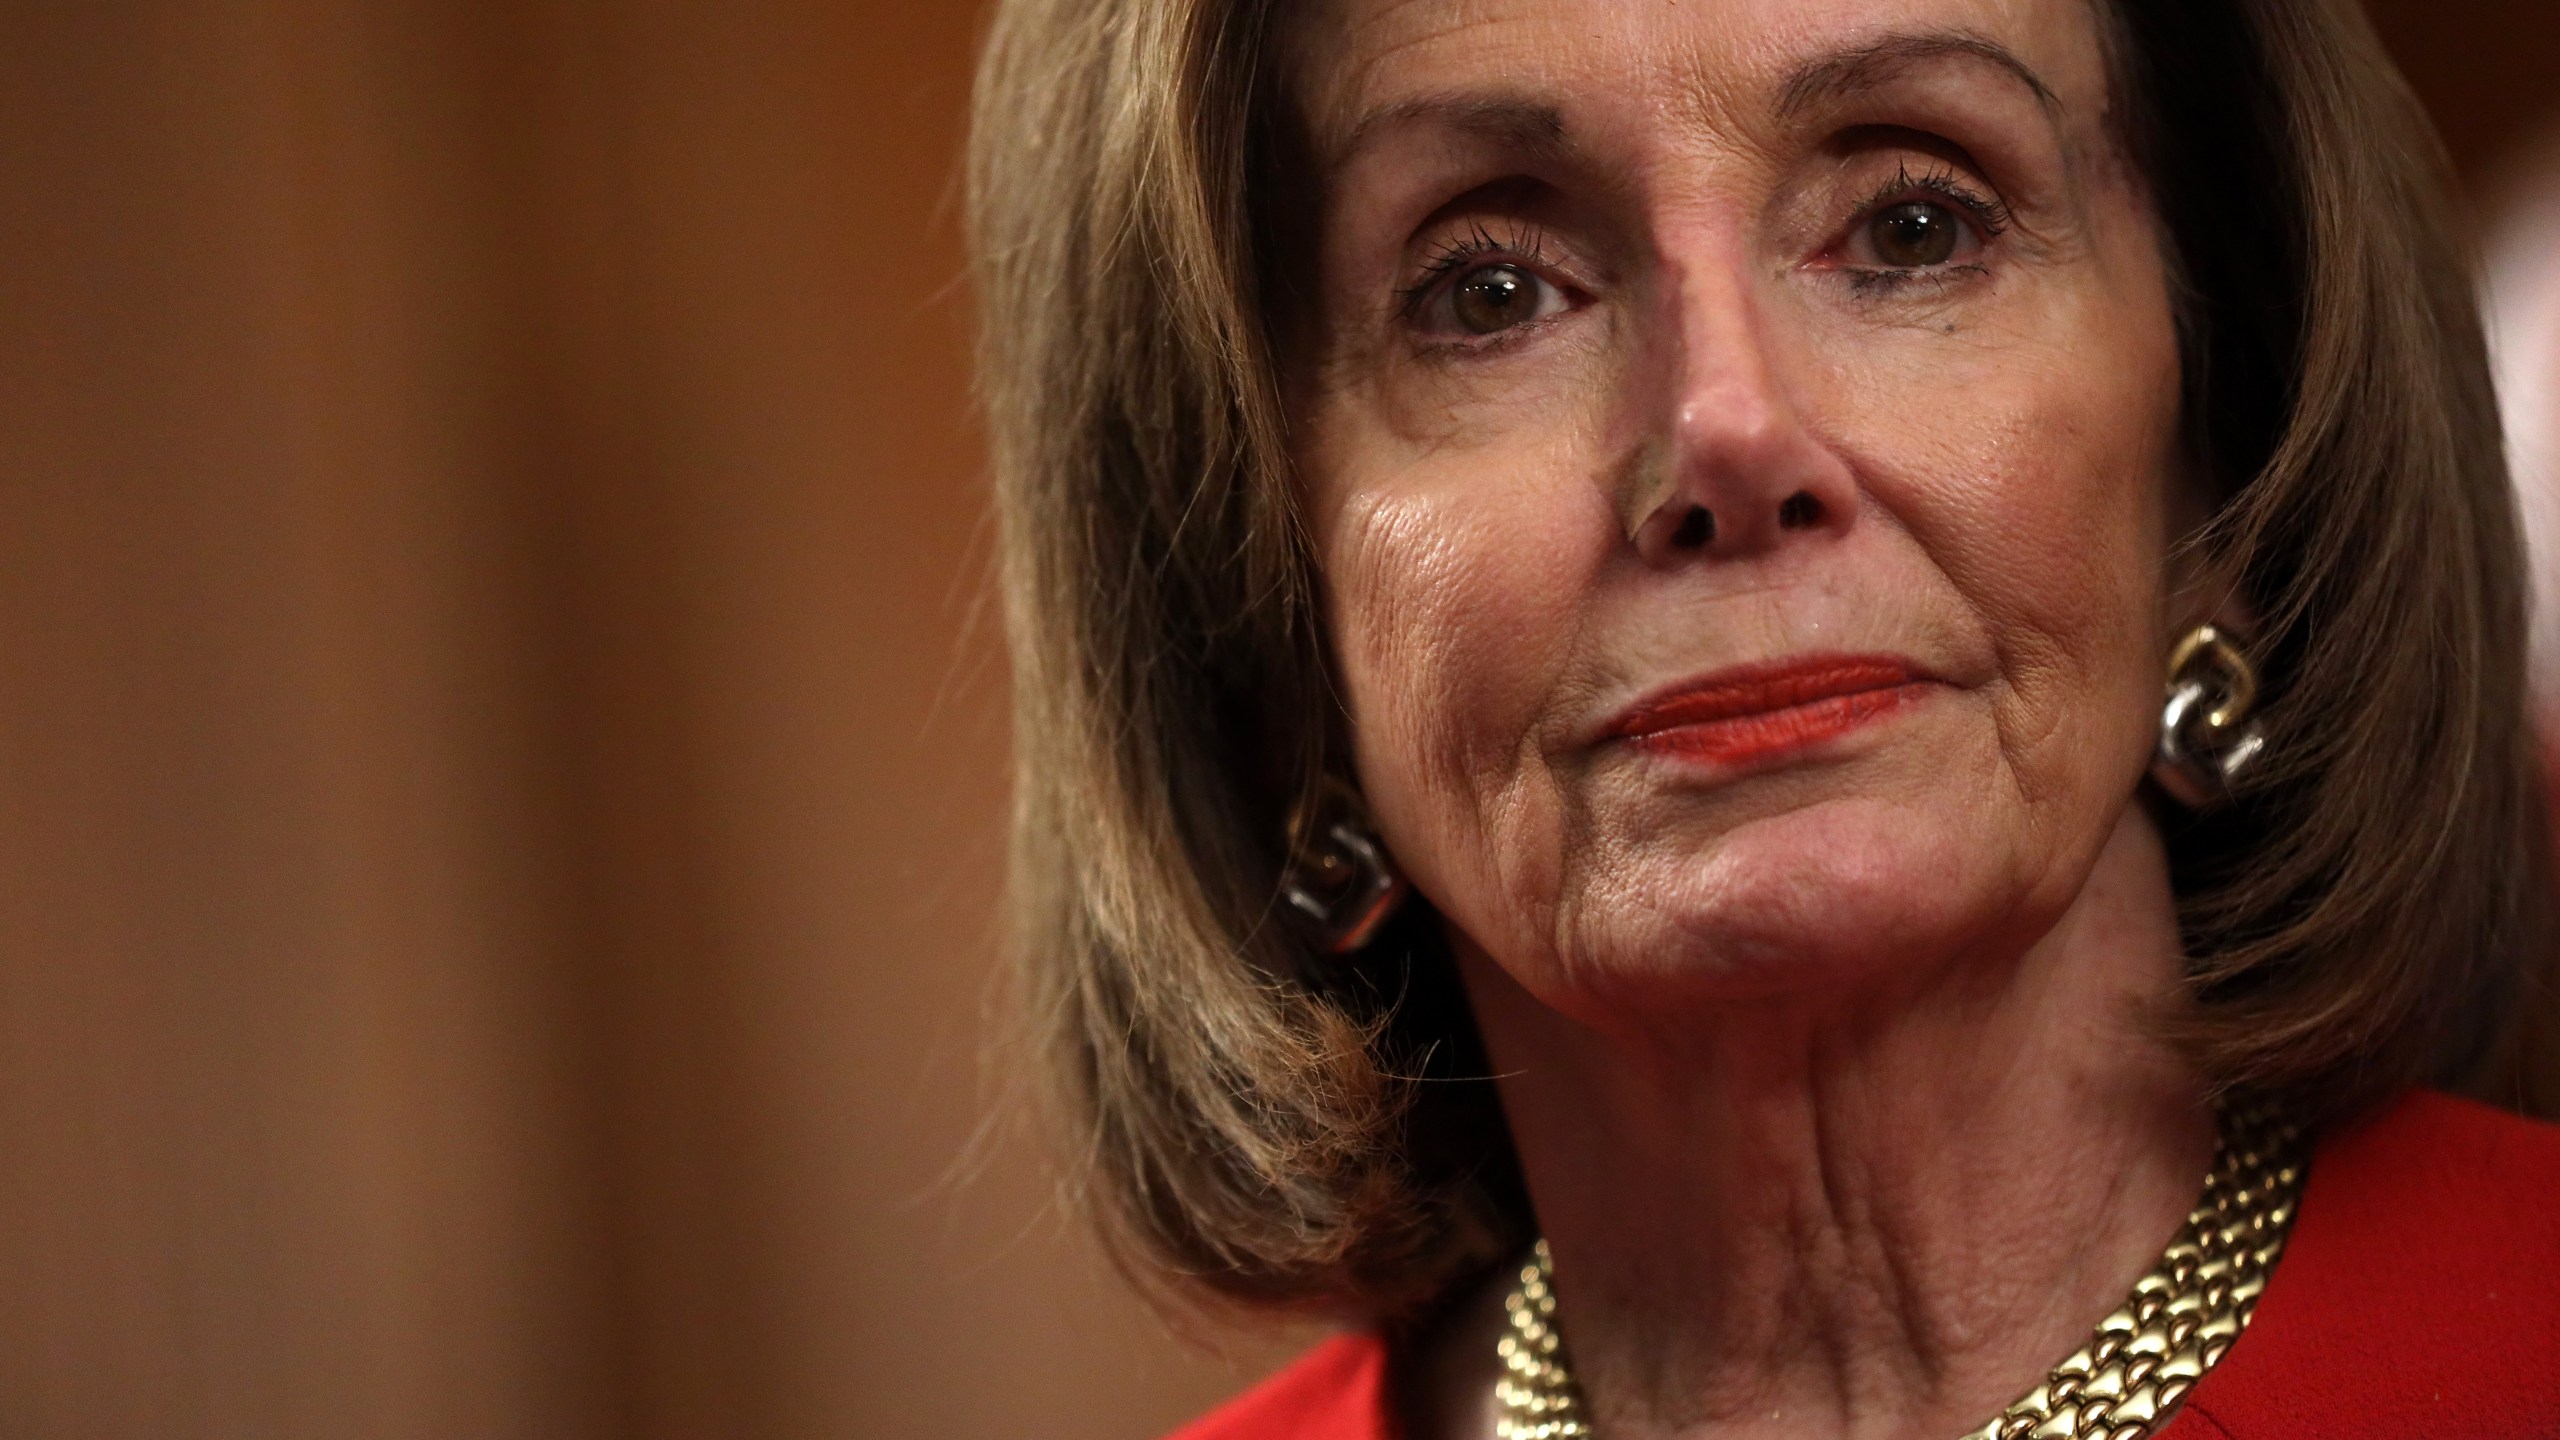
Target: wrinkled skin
1701,300
1990,441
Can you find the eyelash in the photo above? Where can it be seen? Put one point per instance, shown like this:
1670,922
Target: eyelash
1987,212
1452,256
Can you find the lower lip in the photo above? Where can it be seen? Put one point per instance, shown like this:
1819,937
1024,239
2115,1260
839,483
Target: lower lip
1787,729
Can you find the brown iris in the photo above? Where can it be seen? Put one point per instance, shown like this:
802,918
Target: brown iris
1496,297
1913,234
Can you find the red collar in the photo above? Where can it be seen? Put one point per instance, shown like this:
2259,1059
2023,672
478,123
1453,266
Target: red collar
2419,1296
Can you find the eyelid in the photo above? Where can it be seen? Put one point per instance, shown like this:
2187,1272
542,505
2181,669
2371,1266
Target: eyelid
1976,205
1451,257
1431,315
1982,206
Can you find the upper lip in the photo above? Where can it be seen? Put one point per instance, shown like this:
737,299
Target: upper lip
1759,689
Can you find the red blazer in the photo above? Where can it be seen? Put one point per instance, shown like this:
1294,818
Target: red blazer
2418,1299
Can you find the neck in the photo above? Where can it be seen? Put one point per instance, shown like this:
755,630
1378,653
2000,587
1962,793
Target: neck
1878,1217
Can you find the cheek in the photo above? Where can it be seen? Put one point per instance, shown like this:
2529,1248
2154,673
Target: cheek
2037,476
1415,609
1455,590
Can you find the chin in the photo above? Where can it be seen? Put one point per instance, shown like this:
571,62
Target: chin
1827,900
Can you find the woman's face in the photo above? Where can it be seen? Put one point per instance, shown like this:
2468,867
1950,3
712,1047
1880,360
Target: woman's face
1738,437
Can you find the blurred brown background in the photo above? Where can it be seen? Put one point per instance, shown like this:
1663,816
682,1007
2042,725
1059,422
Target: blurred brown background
501,741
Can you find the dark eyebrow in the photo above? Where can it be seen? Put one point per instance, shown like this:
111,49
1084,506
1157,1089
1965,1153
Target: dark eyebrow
1846,73
1516,124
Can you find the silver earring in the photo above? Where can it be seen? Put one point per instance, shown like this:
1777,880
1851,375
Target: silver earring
1339,878
2207,738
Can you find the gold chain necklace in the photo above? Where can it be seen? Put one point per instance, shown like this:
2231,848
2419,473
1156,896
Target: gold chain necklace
2144,1358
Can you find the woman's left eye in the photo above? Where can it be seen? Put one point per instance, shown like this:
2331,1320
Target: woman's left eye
1489,299
1914,234
1920,233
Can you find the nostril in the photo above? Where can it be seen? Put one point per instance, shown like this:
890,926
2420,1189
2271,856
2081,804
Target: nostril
1798,511
1696,528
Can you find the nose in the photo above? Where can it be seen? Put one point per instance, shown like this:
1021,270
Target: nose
1740,471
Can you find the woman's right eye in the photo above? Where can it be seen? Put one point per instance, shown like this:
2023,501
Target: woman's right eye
1489,299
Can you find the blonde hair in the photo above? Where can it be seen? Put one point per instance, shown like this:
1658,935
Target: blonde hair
1287,1128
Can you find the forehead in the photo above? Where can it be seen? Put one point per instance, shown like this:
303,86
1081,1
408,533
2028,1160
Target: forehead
1357,66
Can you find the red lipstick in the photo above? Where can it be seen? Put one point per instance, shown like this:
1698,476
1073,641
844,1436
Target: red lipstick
1759,712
